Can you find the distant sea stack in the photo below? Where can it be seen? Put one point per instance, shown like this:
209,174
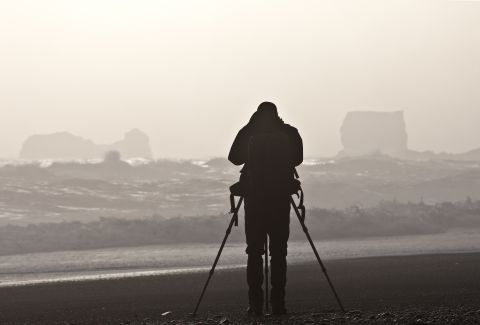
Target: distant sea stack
64,145
366,133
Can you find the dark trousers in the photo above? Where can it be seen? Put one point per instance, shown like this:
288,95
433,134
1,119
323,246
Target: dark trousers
267,216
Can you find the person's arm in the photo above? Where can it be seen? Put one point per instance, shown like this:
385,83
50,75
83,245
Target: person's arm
297,147
239,150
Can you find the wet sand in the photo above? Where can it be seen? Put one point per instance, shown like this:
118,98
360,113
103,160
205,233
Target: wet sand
425,282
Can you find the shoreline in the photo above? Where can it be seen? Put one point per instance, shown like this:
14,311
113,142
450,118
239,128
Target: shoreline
78,276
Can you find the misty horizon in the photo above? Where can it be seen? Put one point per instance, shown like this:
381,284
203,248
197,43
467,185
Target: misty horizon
171,69
403,127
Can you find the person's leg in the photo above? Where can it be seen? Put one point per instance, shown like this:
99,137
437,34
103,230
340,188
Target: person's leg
255,235
255,282
279,230
279,281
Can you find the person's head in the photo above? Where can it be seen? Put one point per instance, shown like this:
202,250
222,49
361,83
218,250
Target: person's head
268,109
266,116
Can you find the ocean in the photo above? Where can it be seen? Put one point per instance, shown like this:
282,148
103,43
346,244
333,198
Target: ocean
122,262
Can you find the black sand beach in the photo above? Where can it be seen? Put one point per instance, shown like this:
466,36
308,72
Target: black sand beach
422,289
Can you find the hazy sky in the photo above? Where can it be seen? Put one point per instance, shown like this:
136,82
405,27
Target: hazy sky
190,73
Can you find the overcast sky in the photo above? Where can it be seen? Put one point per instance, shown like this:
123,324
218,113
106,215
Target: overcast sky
190,73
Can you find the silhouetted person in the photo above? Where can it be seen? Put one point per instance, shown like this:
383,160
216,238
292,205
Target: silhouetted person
270,150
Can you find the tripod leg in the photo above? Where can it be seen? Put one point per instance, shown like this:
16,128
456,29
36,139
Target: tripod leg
227,233
305,230
266,273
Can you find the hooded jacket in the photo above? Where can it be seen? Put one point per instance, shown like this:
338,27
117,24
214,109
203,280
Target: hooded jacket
239,151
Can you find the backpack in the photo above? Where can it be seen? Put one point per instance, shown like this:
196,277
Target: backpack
269,166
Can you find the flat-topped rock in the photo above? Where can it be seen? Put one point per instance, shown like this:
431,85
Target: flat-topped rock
366,133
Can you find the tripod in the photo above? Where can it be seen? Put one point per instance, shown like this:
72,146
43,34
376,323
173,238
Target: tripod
300,212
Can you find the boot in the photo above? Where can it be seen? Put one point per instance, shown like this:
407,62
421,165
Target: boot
278,309
279,281
255,282
255,310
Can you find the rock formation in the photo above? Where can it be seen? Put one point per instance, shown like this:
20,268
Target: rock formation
365,133
64,145
135,144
